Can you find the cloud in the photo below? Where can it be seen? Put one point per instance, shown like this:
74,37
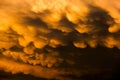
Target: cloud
34,33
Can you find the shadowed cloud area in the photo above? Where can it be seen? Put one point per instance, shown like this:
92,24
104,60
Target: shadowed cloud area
59,39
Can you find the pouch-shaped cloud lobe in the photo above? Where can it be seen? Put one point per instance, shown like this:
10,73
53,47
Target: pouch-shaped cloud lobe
36,35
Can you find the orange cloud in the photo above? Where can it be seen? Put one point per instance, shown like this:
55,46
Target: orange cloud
33,33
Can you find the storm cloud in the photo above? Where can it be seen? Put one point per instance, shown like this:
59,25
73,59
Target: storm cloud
44,36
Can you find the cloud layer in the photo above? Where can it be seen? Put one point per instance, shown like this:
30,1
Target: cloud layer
33,33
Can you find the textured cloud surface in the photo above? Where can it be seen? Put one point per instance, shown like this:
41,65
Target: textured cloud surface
40,37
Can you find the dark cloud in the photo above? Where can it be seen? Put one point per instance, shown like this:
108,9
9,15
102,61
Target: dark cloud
100,20
62,39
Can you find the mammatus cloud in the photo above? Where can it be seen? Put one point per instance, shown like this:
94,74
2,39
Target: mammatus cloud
34,32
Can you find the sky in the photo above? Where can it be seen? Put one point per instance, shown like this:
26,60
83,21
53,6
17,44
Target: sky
56,39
